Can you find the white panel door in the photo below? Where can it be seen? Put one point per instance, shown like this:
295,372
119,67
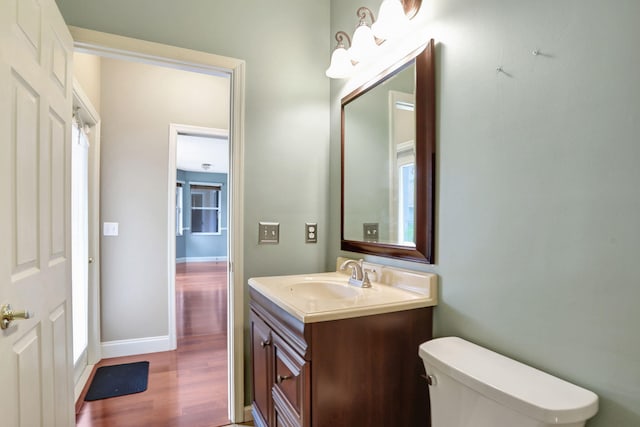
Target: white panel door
35,135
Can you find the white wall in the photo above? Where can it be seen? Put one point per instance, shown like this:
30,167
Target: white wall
538,212
139,102
86,69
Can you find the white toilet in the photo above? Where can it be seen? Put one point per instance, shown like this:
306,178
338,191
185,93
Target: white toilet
471,386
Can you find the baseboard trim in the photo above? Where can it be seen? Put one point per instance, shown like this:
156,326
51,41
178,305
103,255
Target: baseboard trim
248,416
201,259
82,382
132,347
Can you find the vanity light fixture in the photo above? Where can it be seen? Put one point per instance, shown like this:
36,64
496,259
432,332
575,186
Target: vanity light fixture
341,65
364,43
393,19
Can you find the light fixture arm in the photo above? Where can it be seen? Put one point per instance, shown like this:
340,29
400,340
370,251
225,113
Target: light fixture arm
340,36
362,15
411,7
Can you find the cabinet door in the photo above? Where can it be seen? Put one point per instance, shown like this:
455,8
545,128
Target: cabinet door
262,378
291,390
284,417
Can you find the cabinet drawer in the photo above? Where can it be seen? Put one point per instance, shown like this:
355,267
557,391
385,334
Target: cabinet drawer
291,391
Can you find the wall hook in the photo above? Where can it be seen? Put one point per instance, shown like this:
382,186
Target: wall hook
538,52
502,71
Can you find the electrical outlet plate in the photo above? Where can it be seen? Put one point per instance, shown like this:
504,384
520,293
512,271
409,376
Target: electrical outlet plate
268,232
311,232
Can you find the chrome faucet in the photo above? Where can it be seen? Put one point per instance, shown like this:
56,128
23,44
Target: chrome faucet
359,277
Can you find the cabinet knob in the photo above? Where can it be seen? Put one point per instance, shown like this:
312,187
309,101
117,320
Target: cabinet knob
281,378
431,379
265,343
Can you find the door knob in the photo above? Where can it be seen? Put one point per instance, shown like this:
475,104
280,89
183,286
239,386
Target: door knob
90,260
9,315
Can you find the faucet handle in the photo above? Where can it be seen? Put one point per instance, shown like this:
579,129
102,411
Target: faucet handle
366,283
373,273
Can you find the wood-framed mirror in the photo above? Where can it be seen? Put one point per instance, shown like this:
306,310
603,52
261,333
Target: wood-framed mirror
388,162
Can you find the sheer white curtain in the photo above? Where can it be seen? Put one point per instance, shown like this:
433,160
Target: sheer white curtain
80,239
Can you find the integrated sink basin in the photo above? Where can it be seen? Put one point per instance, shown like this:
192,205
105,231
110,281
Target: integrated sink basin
329,296
323,290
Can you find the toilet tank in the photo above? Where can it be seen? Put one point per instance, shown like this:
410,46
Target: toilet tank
471,386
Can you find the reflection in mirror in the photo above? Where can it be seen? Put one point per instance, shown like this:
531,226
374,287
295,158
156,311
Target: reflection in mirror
380,163
387,162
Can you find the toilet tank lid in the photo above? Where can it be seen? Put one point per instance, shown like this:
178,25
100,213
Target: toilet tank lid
520,387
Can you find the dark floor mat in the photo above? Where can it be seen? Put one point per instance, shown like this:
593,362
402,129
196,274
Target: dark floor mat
118,380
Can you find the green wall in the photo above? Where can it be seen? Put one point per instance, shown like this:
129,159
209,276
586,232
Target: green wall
538,211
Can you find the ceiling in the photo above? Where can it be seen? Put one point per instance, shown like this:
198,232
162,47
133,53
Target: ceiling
193,151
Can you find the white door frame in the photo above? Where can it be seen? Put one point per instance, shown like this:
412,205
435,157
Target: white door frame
113,46
90,116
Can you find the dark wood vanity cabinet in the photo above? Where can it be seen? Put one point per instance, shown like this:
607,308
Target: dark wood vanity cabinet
290,390
363,371
262,372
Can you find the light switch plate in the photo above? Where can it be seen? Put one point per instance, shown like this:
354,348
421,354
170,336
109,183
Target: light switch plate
311,232
268,232
370,231
110,229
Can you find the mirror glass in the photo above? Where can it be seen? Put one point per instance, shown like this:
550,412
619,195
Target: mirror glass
379,181
388,146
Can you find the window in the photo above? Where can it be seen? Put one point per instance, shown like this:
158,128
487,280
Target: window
205,208
80,242
179,218
407,202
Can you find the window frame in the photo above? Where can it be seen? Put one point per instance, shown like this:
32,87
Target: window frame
217,188
180,208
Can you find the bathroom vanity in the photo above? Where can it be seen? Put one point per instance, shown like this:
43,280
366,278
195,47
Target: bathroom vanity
325,353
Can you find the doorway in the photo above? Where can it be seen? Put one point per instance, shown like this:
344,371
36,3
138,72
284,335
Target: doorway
80,243
166,56
85,245
201,244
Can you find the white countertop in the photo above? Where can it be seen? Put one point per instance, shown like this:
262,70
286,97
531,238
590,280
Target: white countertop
328,296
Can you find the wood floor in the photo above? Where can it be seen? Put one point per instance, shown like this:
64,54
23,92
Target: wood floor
187,387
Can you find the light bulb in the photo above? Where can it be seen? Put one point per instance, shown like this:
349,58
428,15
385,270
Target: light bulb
341,66
364,45
391,20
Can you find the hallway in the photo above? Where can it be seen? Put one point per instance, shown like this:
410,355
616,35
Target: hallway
187,387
